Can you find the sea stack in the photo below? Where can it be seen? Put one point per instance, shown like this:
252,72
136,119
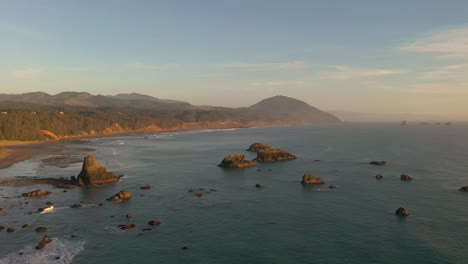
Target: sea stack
236,161
257,147
310,179
93,173
268,155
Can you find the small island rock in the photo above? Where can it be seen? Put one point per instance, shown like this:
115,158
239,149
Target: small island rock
310,179
236,161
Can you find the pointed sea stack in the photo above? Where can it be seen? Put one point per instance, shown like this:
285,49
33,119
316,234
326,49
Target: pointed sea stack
236,161
93,173
268,155
258,146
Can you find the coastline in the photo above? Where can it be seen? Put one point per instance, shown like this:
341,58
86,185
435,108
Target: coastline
12,152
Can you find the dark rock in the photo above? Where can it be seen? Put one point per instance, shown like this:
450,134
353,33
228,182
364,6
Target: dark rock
49,203
332,186
379,176
236,161
147,229
93,173
257,147
57,257
129,216
380,163
402,211
463,189
269,155
42,229
35,193
154,222
77,206
26,225
73,236
45,240
127,227
259,185
184,248
121,196
146,187
10,230
405,177
310,179
101,204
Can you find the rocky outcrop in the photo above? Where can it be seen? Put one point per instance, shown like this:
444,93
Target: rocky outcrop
463,189
121,196
269,155
379,163
45,240
35,193
402,212
236,161
258,146
405,177
93,173
310,179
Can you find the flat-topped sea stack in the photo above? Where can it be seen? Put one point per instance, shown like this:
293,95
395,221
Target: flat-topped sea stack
269,155
257,147
236,161
310,179
92,173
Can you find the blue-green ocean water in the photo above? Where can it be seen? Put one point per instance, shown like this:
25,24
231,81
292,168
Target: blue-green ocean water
284,222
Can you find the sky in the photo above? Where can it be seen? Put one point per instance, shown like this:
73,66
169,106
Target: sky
385,59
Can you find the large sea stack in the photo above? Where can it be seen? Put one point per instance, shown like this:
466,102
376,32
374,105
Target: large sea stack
236,161
93,173
268,155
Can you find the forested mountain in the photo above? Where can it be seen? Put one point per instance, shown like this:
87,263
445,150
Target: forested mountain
72,114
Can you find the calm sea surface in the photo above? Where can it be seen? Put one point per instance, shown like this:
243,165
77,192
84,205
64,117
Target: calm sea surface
284,222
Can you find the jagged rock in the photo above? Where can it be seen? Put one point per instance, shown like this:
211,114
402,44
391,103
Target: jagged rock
258,146
382,162
379,176
121,196
402,211
259,185
93,173
463,189
127,227
405,177
154,222
42,229
77,206
35,193
146,187
10,230
310,179
236,161
268,155
45,240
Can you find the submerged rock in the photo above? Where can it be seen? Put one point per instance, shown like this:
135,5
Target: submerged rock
268,155
405,177
257,147
36,193
26,225
42,229
402,211
154,222
93,173
199,194
382,162
121,196
310,179
45,240
127,227
146,187
332,186
236,161
10,230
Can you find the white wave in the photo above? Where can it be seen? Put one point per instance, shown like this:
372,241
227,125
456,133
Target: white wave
49,209
65,249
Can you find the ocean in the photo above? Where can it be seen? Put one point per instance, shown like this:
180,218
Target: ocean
235,222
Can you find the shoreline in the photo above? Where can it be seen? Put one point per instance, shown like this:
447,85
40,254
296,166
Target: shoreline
12,152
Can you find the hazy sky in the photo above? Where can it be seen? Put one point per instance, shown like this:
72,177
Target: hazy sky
357,56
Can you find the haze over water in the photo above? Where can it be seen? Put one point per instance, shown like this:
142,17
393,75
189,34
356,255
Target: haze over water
284,222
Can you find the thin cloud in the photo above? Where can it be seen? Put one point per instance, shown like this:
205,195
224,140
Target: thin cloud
452,43
267,66
346,73
27,73
450,72
277,83
143,66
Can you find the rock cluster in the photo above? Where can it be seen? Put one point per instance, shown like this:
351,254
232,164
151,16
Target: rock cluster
268,155
310,179
236,161
121,196
93,173
257,147
35,193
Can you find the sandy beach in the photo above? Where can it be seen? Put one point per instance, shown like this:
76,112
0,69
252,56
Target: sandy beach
12,154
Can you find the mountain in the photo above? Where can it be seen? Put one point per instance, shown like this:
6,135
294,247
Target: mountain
142,97
289,109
